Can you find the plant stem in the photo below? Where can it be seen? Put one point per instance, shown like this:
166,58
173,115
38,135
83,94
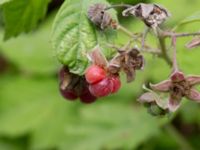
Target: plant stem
144,35
178,137
170,34
118,5
161,39
145,48
175,65
164,55
126,31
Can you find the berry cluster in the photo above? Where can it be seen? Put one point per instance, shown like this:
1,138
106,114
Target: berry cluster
102,76
101,84
96,83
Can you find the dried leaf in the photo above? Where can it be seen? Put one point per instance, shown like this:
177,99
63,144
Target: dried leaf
97,57
193,79
194,43
99,16
194,95
163,86
127,60
147,97
115,64
153,15
174,104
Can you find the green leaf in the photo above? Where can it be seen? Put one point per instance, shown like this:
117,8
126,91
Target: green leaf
4,1
31,103
51,132
74,36
32,52
93,127
98,129
188,20
23,15
7,144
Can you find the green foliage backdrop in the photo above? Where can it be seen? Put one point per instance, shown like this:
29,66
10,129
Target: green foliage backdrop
34,116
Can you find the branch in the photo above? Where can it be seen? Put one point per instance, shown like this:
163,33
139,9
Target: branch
170,34
164,55
175,65
118,5
127,32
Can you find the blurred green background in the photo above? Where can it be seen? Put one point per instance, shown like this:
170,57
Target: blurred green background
33,115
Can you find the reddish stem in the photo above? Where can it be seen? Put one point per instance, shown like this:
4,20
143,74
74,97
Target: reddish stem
175,65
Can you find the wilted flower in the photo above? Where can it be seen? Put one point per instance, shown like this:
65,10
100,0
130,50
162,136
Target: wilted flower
129,61
98,15
153,15
179,86
97,57
155,104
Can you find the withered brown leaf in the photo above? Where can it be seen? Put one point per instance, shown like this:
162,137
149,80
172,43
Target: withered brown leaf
152,14
129,61
100,17
97,57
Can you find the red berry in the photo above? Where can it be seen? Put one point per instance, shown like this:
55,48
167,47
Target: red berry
116,83
95,74
69,94
102,88
86,96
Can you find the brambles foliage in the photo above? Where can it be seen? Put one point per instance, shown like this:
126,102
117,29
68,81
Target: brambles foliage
106,62
100,75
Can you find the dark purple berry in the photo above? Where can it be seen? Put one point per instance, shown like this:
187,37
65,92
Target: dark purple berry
69,94
86,96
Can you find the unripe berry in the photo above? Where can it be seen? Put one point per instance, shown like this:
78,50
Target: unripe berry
116,83
101,88
95,74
